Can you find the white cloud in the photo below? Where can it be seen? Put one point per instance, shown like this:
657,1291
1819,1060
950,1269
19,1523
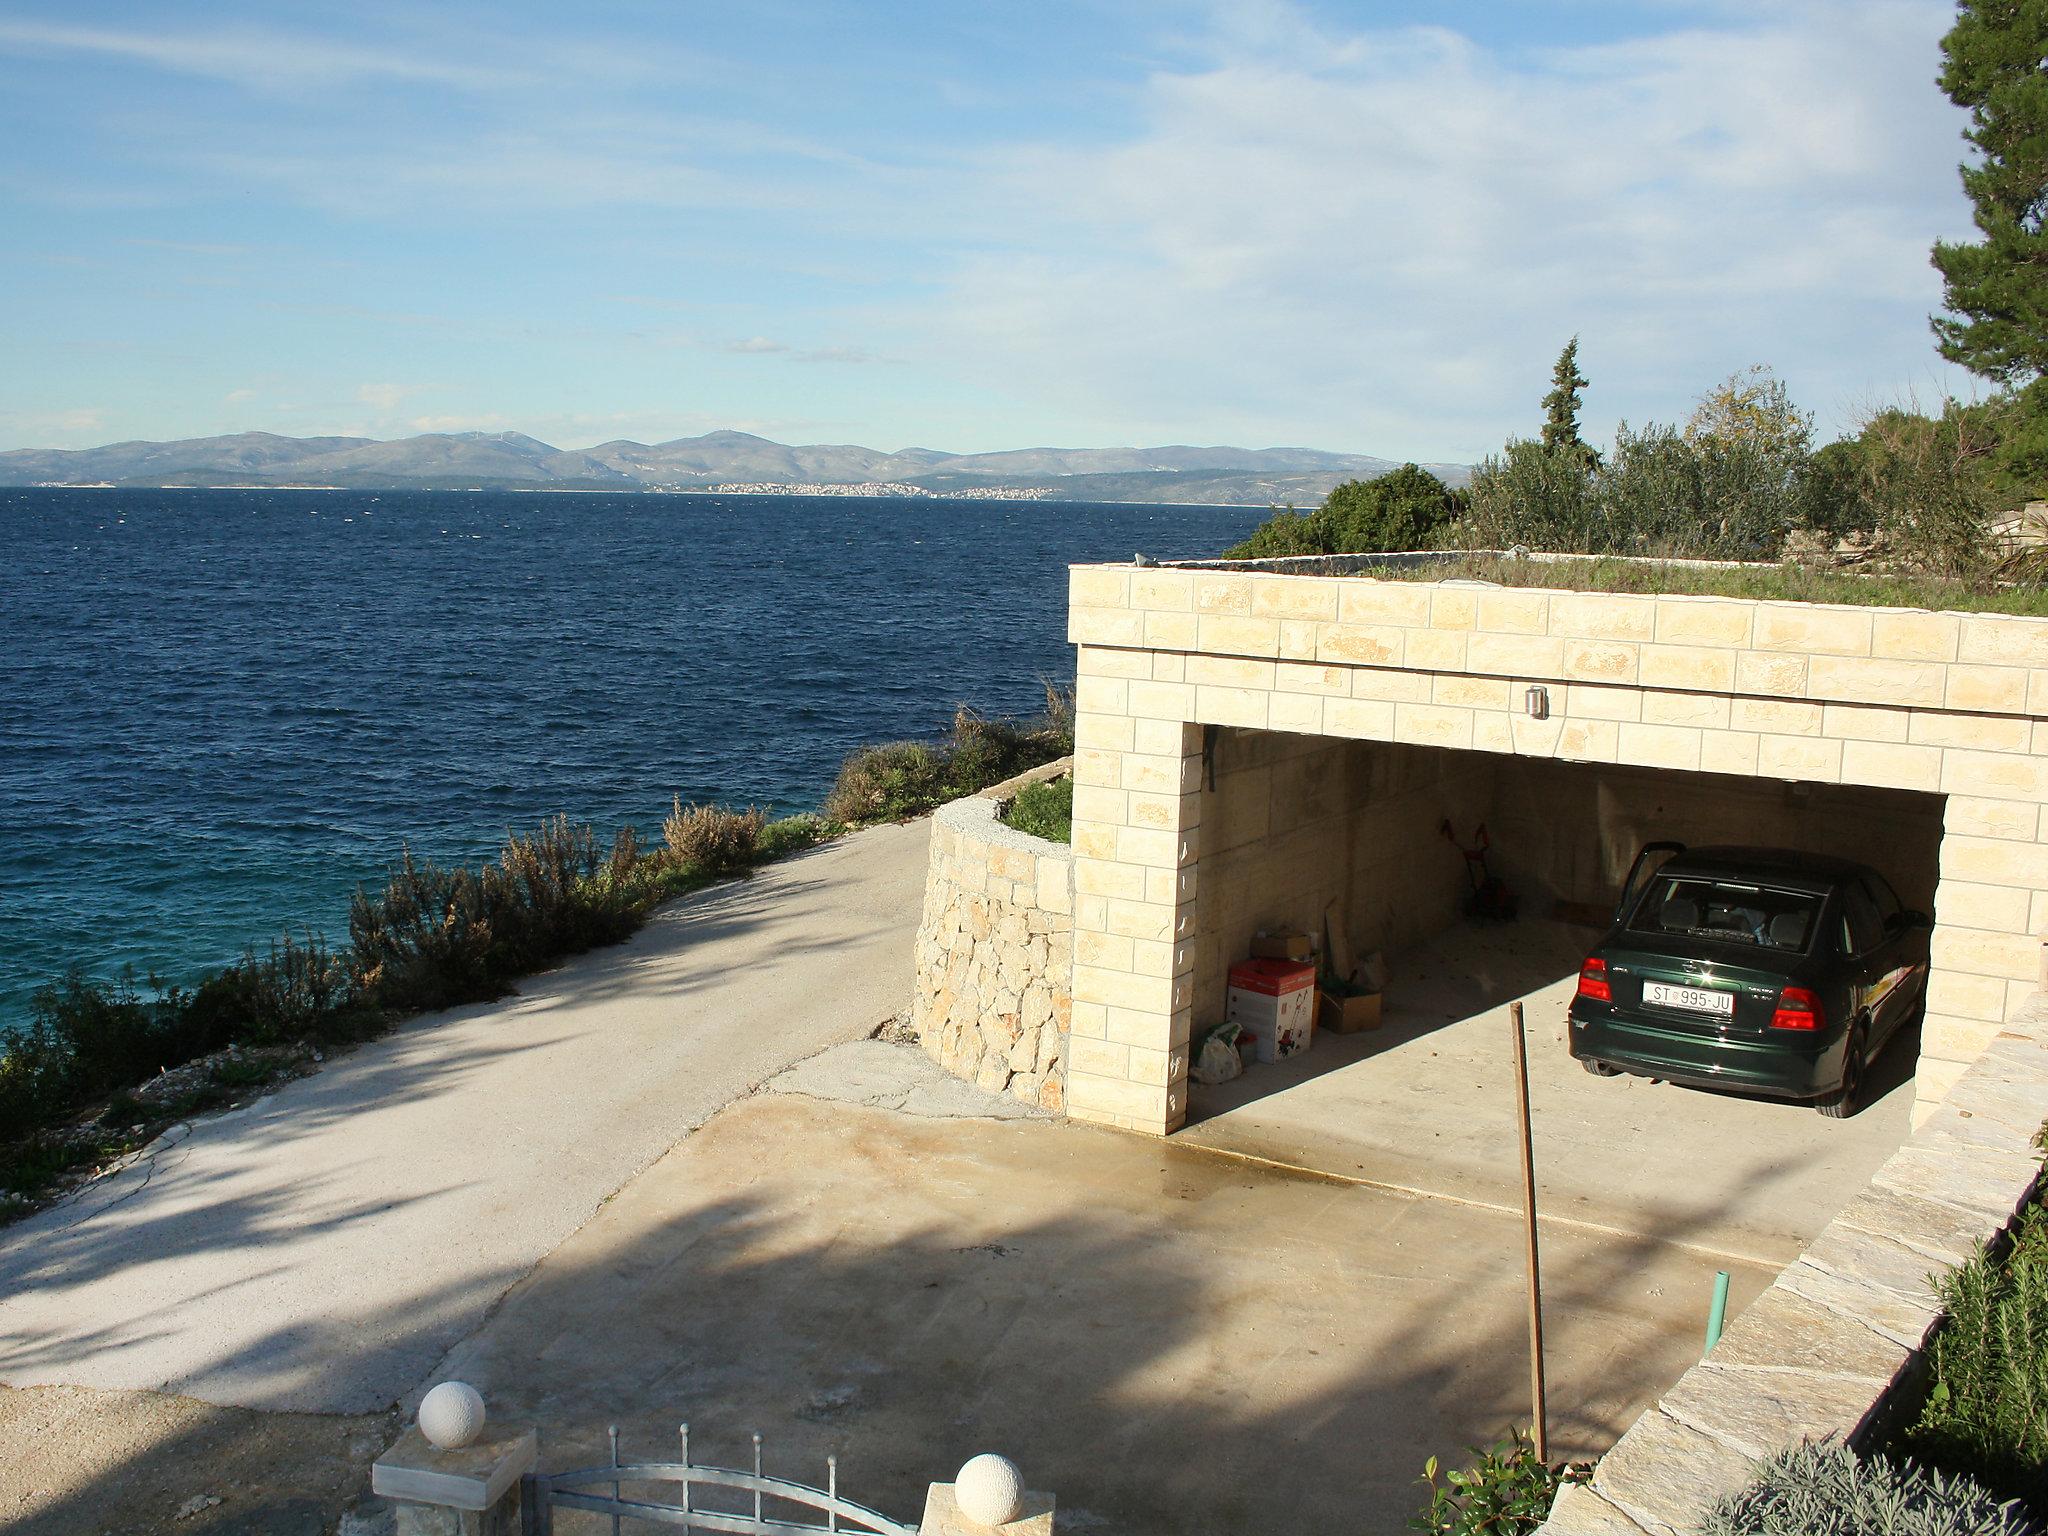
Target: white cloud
489,421
238,396
258,59
385,397
1382,239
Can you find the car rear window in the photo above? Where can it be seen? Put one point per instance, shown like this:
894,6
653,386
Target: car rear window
1729,911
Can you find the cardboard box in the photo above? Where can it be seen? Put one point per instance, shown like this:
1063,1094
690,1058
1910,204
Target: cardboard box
1283,944
1348,1015
1275,1001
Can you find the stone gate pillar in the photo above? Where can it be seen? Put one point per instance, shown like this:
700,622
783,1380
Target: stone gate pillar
1137,805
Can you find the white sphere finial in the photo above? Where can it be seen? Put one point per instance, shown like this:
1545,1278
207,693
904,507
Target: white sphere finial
989,1490
452,1415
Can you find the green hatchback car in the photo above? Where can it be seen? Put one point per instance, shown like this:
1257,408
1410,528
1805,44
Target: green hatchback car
1762,970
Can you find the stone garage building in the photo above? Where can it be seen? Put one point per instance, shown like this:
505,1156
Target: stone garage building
1255,740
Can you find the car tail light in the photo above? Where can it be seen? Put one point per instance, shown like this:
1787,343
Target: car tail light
1798,1009
1593,981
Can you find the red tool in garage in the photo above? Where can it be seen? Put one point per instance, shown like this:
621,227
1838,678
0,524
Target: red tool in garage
1490,899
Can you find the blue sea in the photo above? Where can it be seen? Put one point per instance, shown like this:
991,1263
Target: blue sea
221,711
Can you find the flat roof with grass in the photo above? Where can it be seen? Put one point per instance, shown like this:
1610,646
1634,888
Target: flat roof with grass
1654,576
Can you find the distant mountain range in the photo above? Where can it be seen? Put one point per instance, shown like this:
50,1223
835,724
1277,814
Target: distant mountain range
513,461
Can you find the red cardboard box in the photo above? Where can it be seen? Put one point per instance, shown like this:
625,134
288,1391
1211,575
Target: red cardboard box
1276,1001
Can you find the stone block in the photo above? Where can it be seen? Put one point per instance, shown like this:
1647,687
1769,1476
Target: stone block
1105,626
1666,1476
1298,597
1997,775
1920,683
1223,592
1702,621
1728,752
1863,722
1776,717
1513,612
1372,645
1699,668
1915,636
1990,690
1579,1511
1891,766
1784,1329
2004,641
2016,956
469,1491
1401,603
1154,588
1770,675
1660,746
1602,616
1992,861
1242,707
1600,661
1098,586
1515,655
1369,719
1435,650
1431,725
1106,661
1237,635
1453,608
1761,1412
1904,1319
1170,631
1972,733
1993,1185
1471,692
1812,629
1799,757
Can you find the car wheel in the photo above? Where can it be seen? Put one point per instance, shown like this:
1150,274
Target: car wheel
1598,1068
1842,1103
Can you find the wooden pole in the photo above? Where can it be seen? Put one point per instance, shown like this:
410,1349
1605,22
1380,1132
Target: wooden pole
1542,1429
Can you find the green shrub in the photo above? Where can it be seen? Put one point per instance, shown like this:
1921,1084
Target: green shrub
714,838
902,779
1508,1489
793,834
1828,1490
1044,810
1406,509
1986,1411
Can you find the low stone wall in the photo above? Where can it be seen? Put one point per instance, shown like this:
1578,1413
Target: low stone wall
1834,1346
995,950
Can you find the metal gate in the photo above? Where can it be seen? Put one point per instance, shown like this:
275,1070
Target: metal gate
713,1498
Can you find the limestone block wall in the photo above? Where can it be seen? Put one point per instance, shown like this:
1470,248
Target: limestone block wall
995,950
1943,704
1292,823
1569,831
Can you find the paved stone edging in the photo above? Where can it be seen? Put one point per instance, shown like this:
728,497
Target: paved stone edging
995,949
1828,1348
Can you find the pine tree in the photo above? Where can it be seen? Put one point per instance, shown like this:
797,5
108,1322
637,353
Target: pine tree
1995,63
1561,407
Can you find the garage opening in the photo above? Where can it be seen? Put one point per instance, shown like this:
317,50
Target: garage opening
1297,827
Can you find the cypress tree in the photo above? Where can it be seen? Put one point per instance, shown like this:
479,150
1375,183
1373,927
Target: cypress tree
1995,63
1561,406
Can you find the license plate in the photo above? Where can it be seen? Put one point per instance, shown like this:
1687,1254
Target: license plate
1693,999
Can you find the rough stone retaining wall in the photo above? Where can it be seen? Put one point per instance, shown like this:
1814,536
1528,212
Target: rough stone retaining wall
995,950
1834,1345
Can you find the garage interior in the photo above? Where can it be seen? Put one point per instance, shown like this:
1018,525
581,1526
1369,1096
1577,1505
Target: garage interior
1291,824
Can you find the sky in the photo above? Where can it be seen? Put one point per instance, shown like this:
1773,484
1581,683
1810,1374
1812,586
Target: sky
963,224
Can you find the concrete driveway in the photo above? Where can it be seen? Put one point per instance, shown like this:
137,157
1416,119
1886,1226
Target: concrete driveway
1176,1343
1426,1102
322,1248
